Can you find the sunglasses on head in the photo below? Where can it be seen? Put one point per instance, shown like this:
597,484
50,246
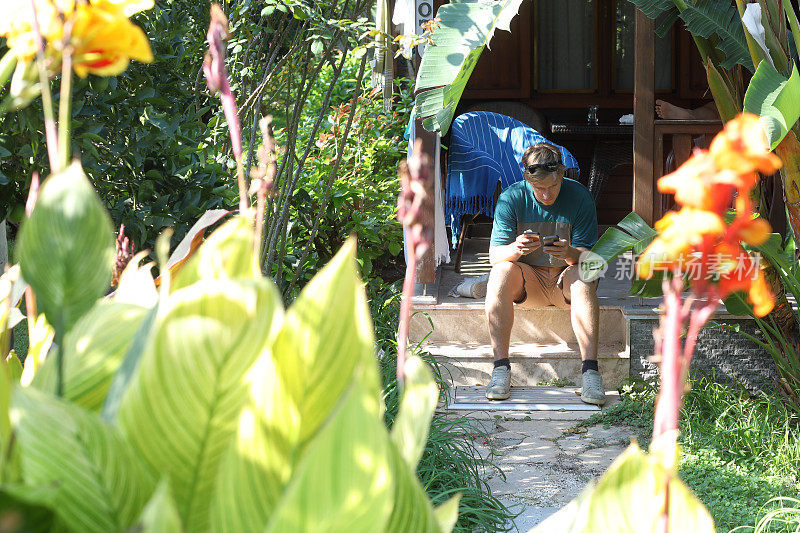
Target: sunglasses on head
549,167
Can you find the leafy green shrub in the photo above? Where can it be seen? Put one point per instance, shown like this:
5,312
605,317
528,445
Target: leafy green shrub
203,404
362,198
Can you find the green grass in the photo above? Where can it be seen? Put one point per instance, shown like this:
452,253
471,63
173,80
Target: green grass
556,382
450,463
738,452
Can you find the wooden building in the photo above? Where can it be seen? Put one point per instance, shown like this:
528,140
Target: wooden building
563,56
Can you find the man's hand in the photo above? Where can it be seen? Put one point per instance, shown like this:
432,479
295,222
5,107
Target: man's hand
526,243
561,250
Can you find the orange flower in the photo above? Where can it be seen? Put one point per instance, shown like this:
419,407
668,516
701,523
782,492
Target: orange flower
679,233
696,237
753,231
695,184
739,271
742,147
105,40
760,296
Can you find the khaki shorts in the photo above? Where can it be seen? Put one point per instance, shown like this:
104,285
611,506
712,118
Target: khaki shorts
543,286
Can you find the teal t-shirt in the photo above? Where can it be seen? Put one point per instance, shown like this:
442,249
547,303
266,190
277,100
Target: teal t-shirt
572,217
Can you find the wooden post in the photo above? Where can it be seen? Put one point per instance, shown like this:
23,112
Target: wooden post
426,269
644,190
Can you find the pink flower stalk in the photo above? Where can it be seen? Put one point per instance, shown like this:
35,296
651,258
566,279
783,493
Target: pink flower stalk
263,176
415,211
675,358
33,194
217,79
217,74
123,255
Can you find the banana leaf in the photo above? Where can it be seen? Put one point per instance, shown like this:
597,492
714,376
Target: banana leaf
775,99
464,30
705,19
633,234
653,8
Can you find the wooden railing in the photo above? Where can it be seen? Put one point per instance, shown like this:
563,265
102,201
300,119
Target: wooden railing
682,133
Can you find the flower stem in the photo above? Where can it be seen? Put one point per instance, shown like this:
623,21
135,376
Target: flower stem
405,311
47,98
65,110
668,404
244,204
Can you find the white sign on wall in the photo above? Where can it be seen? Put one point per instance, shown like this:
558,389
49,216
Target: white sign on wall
423,13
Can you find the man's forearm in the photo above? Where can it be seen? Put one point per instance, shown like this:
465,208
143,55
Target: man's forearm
503,252
574,254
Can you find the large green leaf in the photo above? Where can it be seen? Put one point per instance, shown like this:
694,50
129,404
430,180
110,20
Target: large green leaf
465,29
97,482
326,332
343,482
181,409
128,365
654,8
775,99
412,509
633,234
261,461
446,514
709,18
728,105
160,515
410,428
136,284
66,247
307,428
5,420
227,254
93,351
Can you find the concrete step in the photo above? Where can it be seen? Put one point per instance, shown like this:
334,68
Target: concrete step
546,325
464,398
470,363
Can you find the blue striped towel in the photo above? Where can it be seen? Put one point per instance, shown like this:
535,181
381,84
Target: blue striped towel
486,147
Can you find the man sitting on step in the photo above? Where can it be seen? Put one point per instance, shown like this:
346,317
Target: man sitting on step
531,271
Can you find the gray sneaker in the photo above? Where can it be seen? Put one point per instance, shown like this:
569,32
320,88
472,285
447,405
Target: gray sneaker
500,384
592,391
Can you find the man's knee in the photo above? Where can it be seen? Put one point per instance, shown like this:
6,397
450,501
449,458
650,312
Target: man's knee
578,287
503,276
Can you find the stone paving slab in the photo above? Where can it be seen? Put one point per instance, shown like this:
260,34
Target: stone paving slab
545,461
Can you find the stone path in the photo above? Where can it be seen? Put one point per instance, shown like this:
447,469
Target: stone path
546,458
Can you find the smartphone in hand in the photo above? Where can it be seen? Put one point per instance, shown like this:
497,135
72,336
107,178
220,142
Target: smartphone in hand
549,240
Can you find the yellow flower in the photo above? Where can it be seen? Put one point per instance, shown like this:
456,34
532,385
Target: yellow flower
103,40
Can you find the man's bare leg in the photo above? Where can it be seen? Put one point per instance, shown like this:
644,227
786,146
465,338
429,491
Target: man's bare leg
505,285
585,314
